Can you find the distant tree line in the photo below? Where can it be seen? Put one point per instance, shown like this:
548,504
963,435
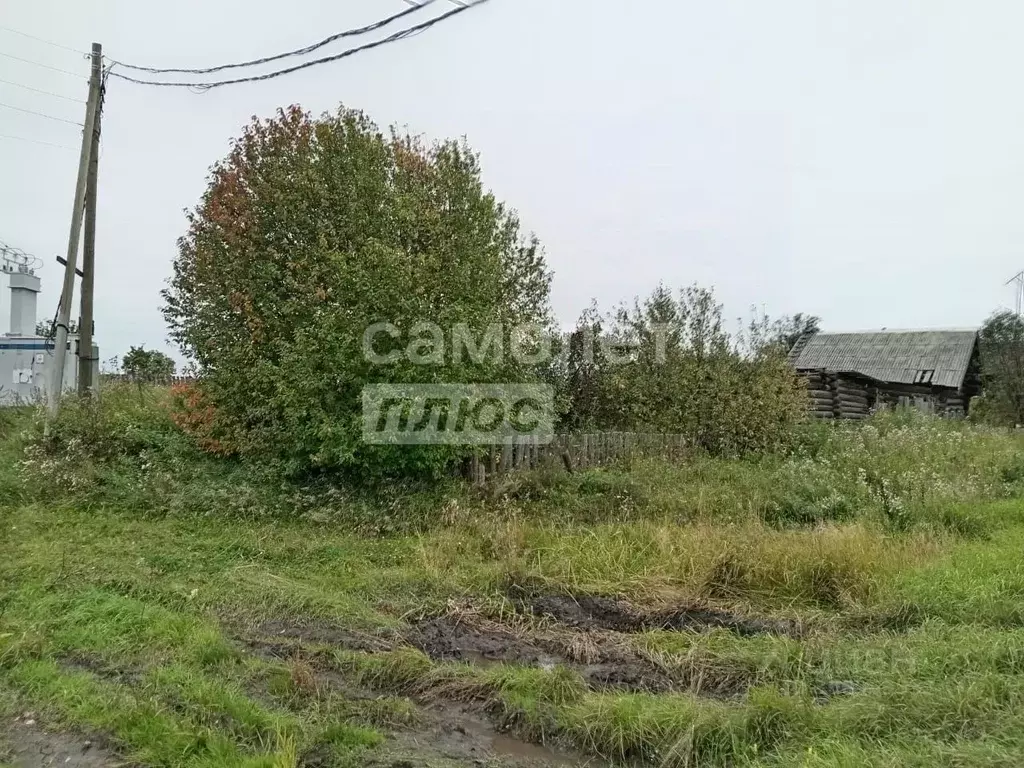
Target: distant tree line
144,365
47,328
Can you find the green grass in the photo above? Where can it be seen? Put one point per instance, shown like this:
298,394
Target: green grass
121,636
128,600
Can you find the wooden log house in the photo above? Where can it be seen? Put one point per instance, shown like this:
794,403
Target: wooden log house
850,374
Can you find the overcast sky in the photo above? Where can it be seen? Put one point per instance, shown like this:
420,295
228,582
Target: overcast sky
862,161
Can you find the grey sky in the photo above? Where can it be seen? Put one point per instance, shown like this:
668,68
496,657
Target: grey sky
863,161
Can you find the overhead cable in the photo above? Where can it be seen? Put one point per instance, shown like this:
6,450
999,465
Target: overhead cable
39,90
297,52
42,40
40,64
36,141
401,35
40,114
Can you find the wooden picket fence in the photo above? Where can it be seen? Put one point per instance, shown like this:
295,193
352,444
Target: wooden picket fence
571,452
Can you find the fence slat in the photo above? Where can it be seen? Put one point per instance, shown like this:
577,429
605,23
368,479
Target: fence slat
584,450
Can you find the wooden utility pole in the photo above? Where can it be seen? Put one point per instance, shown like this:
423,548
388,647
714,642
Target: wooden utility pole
85,323
60,344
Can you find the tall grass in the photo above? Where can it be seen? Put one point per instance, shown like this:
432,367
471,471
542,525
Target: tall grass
901,470
890,548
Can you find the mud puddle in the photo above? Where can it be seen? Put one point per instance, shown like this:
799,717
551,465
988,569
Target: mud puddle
442,732
594,612
460,734
25,744
599,659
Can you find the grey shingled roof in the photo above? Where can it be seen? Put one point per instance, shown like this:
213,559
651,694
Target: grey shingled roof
894,356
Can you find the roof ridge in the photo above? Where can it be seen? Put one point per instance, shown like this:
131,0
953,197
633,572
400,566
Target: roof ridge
898,330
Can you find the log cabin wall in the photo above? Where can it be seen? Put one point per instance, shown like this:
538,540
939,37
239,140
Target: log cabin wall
845,396
834,396
852,398
820,396
943,401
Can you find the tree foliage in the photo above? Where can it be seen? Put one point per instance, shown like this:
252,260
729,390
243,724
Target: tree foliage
312,230
144,364
48,328
787,330
1001,343
667,364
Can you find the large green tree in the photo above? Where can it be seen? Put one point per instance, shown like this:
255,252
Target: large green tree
311,231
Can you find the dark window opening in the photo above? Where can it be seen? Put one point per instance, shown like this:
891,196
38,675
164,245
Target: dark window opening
924,377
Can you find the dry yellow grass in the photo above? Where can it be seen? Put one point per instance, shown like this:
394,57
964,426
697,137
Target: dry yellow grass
656,561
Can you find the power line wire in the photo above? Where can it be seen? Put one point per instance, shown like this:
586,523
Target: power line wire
39,90
36,141
298,52
40,114
41,40
38,64
409,32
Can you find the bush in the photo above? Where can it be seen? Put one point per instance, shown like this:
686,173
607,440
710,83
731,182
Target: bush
667,365
195,415
124,451
313,231
127,420
96,443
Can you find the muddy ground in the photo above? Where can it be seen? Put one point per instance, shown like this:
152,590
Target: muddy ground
586,633
25,742
460,735
603,660
589,634
443,734
595,612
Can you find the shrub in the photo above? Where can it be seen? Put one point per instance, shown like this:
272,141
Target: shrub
311,232
93,439
668,365
195,415
128,419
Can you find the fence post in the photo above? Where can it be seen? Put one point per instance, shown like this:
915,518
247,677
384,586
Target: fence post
506,457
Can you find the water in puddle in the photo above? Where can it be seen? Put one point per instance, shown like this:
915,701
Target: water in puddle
503,745
478,659
506,746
